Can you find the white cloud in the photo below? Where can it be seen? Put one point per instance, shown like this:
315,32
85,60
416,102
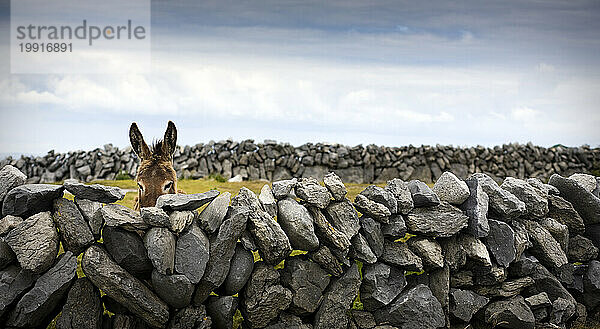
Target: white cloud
525,114
545,68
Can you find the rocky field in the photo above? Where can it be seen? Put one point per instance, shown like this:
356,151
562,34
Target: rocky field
463,254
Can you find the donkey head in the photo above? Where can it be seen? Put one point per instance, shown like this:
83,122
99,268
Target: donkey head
155,175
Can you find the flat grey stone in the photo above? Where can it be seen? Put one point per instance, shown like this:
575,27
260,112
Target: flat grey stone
128,251
248,241
501,242
74,231
586,204
46,295
95,192
335,186
10,177
422,195
30,199
465,303
588,182
591,285
562,310
484,277
396,228
9,222
382,196
360,250
343,217
268,200
83,308
563,211
371,231
282,189
413,309
454,254
185,201
221,310
222,248
307,281
546,188
537,301
272,242
264,297
545,247
536,201
211,217
505,204
176,289
581,249
7,256
180,220
114,281
297,223
443,220
337,301
35,242
398,254
90,210
160,244
372,209
326,260
521,238
14,281
559,231
512,313
191,254
326,232
475,249
309,190
154,216
476,208
240,269
363,319
381,285
428,250
117,215
402,194
451,189
439,284
544,281
508,288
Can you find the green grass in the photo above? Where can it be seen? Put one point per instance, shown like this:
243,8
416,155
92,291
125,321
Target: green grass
215,183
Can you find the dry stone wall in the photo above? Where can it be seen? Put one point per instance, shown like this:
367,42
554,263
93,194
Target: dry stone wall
359,164
464,254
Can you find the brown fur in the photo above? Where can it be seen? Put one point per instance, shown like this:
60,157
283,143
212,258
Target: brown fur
156,175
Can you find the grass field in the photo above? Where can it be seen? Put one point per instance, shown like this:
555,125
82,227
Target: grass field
203,185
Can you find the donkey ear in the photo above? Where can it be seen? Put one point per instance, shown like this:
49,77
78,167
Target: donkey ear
170,140
137,142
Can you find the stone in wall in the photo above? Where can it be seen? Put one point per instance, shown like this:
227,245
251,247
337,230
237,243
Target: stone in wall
526,271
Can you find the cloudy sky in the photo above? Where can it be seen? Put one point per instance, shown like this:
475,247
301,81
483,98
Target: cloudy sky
353,72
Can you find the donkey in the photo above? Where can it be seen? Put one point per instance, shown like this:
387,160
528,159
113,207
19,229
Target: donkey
156,175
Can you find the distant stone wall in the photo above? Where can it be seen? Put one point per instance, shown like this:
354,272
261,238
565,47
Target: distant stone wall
518,255
359,164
